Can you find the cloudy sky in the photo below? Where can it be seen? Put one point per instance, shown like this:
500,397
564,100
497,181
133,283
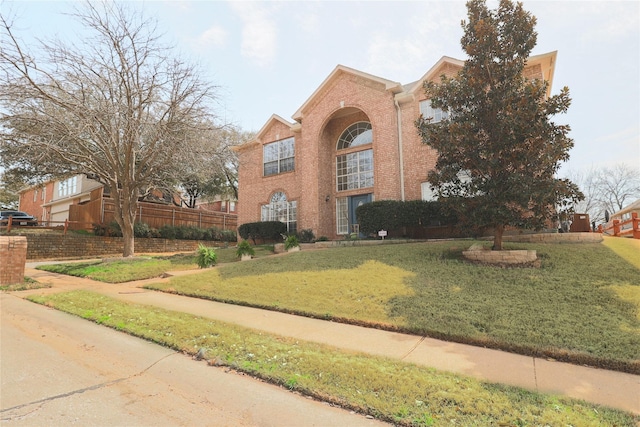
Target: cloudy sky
268,57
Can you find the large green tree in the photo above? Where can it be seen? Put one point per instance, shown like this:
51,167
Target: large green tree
499,150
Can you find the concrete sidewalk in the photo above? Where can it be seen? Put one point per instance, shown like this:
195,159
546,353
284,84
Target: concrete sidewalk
610,388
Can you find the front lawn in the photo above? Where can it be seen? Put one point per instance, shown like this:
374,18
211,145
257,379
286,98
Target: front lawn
580,305
390,390
140,268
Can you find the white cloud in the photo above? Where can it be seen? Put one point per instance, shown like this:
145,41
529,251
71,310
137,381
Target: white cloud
214,36
259,32
405,53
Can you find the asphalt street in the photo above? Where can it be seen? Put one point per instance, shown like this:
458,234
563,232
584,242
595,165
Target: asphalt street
57,369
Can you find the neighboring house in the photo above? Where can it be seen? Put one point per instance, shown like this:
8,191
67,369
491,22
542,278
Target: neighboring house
626,221
84,202
353,141
50,202
219,204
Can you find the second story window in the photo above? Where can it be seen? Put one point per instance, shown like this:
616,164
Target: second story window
68,187
435,114
279,157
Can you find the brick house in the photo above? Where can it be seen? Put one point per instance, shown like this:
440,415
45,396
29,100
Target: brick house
54,202
353,141
50,201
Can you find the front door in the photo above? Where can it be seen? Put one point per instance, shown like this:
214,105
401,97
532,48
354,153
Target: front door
354,202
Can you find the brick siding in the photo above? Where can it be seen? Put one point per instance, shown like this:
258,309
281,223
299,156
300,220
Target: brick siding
13,255
73,246
346,97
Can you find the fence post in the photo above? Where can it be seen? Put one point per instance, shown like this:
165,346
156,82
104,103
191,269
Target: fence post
200,219
173,217
635,222
9,224
66,226
616,227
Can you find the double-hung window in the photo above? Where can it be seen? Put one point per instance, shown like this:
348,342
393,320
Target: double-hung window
68,187
279,157
435,114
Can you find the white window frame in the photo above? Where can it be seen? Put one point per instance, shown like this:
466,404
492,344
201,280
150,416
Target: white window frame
342,215
355,173
280,154
280,209
68,187
436,114
427,193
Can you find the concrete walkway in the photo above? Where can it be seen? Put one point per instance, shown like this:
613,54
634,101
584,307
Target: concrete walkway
610,388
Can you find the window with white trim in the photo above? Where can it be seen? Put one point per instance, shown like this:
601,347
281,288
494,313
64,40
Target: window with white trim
435,114
279,209
342,215
359,133
68,187
427,192
279,157
354,170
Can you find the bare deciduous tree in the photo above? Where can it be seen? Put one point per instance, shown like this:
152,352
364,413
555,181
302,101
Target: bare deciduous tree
607,189
117,105
213,170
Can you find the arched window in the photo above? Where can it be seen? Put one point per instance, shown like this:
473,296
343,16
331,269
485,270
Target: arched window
355,169
279,209
357,134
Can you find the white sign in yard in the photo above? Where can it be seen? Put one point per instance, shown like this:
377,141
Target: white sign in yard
382,233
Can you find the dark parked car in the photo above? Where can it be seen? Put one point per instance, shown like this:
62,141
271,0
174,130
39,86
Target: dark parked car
19,218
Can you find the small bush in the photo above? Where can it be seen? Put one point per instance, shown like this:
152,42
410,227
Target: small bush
291,242
306,235
322,239
244,248
206,256
228,236
141,229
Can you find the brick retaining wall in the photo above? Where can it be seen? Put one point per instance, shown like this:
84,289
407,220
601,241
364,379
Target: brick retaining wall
70,246
13,250
554,238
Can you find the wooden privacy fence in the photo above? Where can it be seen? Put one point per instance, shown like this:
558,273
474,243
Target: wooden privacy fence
102,211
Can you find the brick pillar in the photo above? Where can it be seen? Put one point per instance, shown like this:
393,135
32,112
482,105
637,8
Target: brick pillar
13,256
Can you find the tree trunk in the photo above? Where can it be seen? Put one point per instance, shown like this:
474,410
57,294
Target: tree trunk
497,238
126,205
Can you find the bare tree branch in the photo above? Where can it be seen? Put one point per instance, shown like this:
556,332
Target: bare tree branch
118,105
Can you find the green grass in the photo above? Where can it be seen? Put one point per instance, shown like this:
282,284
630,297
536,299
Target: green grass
580,305
142,267
387,389
26,285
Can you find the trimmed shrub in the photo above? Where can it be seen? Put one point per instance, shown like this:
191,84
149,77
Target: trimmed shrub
264,230
306,235
141,229
393,215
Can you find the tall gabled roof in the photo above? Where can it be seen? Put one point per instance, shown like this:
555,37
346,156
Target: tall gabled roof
417,85
393,87
257,139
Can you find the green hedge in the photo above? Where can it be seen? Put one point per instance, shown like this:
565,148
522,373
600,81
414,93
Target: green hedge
180,232
394,214
264,230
